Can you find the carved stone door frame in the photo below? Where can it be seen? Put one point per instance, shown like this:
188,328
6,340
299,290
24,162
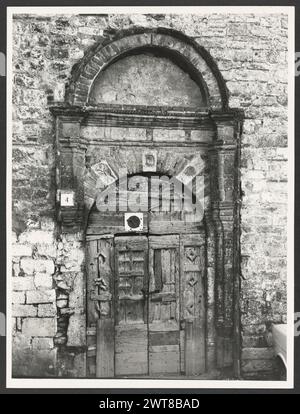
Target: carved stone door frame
219,129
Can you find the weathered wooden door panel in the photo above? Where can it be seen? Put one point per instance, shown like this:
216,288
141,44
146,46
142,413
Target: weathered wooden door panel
131,311
105,349
147,305
164,324
193,302
100,315
131,349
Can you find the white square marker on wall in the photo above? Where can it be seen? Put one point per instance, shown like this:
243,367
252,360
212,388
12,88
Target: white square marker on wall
67,199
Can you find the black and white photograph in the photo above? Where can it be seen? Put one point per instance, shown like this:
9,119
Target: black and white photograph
150,197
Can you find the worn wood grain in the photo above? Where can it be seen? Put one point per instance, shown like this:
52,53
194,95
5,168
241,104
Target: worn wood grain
194,349
105,348
164,362
92,273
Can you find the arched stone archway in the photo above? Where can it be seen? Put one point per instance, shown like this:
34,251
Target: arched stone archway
170,42
96,140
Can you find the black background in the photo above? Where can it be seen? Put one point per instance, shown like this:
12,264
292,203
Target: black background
91,401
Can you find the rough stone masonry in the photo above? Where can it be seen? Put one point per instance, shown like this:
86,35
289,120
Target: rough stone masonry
48,304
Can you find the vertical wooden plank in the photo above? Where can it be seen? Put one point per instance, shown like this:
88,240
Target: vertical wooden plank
105,348
165,265
151,270
92,274
158,275
194,305
173,310
164,355
131,332
194,355
173,262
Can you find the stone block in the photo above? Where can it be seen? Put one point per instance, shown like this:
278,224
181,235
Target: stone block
201,136
33,362
21,250
40,296
39,327
23,283
256,329
14,238
76,330
43,281
37,236
257,353
76,296
47,224
18,297
47,310
79,365
16,269
160,134
24,310
46,250
31,266
21,341
257,365
42,343
121,134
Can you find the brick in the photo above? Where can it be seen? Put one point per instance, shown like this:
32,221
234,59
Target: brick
47,310
24,310
22,283
40,296
43,281
18,297
39,327
31,266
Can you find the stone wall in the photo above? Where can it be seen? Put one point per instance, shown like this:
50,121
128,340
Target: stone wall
251,52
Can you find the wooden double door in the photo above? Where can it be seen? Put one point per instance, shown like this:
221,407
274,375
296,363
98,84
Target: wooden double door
152,296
